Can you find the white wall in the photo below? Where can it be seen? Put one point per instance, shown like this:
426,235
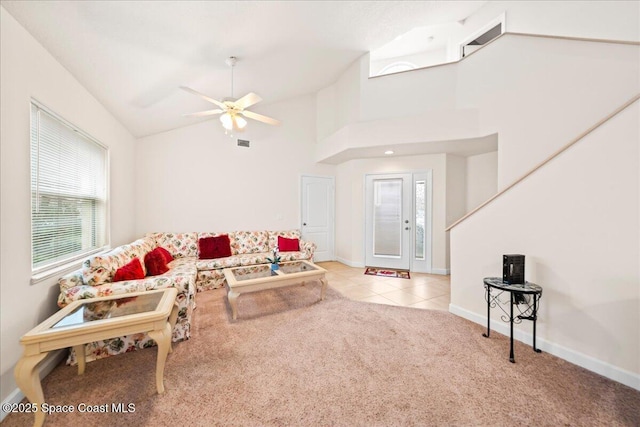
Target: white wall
482,178
539,93
197,179
28,70
339,104
609,20
576,221
350,203
536,93
456,191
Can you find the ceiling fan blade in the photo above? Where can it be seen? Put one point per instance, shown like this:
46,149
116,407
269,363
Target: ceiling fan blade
204,113
260,117
247,101
203,96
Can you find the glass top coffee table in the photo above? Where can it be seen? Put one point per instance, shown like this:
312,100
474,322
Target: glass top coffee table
260,277
94,319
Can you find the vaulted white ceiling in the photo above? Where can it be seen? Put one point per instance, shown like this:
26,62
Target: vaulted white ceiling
132,56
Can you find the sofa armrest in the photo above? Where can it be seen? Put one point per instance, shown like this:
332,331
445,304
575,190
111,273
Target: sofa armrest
309,248
181,282
70,280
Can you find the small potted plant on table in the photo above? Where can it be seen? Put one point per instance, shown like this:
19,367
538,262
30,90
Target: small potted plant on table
275,260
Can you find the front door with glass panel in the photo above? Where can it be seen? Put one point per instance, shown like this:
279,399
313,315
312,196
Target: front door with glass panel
398,221
388,221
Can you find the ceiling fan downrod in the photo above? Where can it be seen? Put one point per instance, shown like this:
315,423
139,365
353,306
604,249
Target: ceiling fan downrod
231,62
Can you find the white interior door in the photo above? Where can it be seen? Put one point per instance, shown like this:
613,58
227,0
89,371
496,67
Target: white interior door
318,215
389,220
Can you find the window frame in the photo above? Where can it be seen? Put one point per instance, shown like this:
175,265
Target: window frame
73,261
385,70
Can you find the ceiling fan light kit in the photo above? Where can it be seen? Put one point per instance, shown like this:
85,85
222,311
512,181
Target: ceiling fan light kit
232,110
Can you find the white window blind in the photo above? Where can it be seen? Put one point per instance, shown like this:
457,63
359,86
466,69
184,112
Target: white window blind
68,192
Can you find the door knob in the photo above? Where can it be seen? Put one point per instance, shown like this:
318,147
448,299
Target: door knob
304,223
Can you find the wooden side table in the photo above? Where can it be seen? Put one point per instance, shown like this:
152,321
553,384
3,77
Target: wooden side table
96,319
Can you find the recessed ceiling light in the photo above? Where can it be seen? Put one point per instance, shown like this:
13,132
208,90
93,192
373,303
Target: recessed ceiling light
388,152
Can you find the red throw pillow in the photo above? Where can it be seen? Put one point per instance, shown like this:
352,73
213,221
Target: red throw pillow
167,256
214,247
155,262
131,271
288,245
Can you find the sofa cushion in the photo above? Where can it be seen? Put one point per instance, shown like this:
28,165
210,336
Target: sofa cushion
156,263
288,245
131,271
249,242
289,234
139,249
179,245
293,256
167,256
214,247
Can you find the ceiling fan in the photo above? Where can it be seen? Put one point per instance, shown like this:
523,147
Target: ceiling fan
232,110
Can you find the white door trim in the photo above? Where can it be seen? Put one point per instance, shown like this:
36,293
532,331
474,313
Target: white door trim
417,265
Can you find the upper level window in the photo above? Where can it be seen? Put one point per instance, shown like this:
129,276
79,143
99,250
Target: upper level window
397,67
68,192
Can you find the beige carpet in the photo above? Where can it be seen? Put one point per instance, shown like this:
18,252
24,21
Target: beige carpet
291,360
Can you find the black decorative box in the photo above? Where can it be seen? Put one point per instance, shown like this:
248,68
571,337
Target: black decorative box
513,269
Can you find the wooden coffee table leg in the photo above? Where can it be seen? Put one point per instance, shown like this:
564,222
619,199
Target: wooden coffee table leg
233,301
80,358
162,337
28,379
324,287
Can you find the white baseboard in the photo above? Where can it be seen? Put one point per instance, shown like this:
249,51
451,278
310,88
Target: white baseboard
45,367
443,271
350,263
605,369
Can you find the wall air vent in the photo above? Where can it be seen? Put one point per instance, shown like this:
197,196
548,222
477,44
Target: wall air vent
243,143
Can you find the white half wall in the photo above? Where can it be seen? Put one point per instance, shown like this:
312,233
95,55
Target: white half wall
28,71
577,222
197,179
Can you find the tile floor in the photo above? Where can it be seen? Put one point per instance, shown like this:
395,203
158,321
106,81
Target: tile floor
431,291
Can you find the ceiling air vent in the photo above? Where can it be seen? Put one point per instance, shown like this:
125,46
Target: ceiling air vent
243,143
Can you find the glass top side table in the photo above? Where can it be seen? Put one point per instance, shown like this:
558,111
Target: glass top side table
525,296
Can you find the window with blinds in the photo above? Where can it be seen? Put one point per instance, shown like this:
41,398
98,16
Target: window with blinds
68,192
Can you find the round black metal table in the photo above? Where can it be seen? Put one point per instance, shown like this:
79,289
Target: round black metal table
520,296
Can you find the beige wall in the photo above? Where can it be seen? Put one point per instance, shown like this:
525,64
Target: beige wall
576,221
28,70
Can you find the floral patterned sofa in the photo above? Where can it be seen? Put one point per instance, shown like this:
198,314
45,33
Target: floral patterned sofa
187,273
